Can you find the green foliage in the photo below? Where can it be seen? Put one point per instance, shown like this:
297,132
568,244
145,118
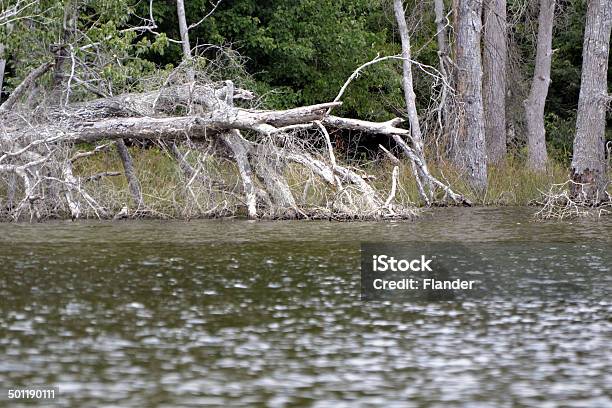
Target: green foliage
560,133
306,49
293,51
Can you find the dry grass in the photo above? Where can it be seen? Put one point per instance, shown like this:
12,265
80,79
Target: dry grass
163,184
511,184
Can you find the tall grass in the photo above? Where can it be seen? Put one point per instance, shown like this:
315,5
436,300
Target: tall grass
510,184
163,184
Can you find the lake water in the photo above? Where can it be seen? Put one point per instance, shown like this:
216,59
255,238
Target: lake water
241,313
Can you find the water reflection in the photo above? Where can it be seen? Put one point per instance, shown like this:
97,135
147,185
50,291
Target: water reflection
239,313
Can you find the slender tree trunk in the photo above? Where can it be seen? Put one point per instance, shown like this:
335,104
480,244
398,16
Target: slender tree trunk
472,149
409,95
441,23
61,54
588,163
182,20
446,68
184,30
534,105
495,56
2,66
130,174
23,87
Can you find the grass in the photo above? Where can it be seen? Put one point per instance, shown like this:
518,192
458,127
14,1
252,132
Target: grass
162,183
511,184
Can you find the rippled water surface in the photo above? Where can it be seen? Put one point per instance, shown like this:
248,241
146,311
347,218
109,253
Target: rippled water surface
240,313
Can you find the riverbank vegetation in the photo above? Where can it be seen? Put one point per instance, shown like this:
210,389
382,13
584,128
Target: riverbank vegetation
512,184
308,109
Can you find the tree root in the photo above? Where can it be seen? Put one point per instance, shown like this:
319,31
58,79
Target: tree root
560,204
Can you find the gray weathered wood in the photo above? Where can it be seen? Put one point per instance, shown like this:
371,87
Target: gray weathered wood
410,96
240,148
24,86
495,56
2,66
472,149
130,174
588,163
534,105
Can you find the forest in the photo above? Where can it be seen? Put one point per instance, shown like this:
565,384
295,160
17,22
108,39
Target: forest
344,109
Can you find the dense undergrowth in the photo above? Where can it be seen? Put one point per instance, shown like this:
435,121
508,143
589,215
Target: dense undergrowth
165,194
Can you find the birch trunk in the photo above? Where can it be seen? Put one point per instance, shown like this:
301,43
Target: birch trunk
495,56
472,149
588,163
534,105
184,30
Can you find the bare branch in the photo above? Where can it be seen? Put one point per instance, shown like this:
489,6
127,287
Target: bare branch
24,86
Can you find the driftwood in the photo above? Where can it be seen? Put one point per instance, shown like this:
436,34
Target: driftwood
30,143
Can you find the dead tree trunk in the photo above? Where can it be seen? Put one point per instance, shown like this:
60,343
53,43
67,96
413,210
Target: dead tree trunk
36,151
495,55
130,174
185,44
240,149
534,105
441,24
23,87
410,97
588,163
269,168
472,149
182,20
444,112
61,51
2,66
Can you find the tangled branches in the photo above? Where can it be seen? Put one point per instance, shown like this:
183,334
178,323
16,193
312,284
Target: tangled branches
560,204
229,157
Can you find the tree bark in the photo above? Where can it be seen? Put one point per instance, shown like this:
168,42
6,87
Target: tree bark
495,56
270,170
441,34
588,163
240,148
534,105
68,28
182,20
409,95
446,68
75,129
472,149
185,44
130,174
23,87
2,67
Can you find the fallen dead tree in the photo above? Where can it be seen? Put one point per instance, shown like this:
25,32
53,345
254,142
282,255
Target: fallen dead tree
37,155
